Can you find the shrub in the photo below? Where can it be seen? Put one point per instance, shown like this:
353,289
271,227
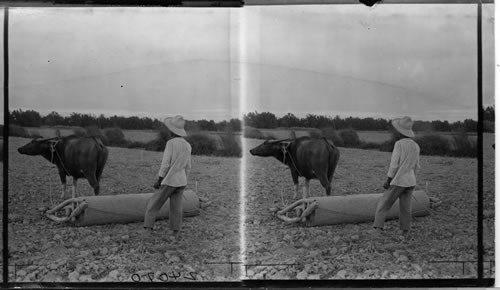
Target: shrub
315,134
388,145
201,144
80,132
159,143
350,138
231,147
94,131
18,131
463,146
115,137
330,134
489,126
433,145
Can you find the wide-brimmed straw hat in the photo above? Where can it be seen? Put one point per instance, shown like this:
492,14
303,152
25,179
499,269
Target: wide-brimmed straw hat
176,125
403,126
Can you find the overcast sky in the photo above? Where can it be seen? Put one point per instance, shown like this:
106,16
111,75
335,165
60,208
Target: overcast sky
146,62
391,60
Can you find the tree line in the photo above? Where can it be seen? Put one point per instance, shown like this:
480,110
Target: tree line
262,120
267,120
31,118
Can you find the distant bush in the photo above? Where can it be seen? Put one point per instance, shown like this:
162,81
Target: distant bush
315,134
115,137
80,132
18,131
231,147
388,145
350,138
202,144
463,146
433,145
489,126
94,131
159,143
330,134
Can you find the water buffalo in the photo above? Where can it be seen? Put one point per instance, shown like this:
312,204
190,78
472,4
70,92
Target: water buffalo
311,158
78,157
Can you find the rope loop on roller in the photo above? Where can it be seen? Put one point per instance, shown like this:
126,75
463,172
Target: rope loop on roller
309,206
78,206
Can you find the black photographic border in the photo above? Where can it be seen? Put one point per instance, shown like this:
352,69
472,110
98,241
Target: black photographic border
480,281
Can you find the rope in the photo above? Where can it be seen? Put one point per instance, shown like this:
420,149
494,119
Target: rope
52,150
285,151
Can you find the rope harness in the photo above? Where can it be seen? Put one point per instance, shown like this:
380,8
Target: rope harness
77,206
285,152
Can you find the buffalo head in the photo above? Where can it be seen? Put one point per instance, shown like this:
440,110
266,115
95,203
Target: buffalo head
36,147
267,148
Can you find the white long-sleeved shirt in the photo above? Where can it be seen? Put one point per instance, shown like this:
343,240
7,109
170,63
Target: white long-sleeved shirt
176,162
405,163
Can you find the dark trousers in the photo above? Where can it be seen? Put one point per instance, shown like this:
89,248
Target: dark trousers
158,200
387,200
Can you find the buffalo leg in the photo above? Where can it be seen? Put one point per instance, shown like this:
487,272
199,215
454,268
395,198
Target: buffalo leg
296,193
306,192
63,190
326,184
62,176
74,187
295,178
94,183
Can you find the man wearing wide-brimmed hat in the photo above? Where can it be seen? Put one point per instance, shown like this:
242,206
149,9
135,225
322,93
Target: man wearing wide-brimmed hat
172,179
404,166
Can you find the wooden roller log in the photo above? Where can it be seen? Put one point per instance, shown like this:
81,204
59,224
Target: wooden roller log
359,208
126,208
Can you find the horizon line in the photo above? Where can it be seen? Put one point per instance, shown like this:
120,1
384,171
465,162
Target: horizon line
298,115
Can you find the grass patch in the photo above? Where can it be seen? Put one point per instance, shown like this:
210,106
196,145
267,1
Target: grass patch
18,131
253,133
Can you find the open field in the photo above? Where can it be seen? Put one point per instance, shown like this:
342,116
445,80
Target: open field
46,251
348,251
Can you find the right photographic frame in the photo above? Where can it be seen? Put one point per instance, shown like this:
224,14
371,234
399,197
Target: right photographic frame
368,143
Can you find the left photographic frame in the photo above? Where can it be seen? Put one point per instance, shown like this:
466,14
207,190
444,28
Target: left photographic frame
109,78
